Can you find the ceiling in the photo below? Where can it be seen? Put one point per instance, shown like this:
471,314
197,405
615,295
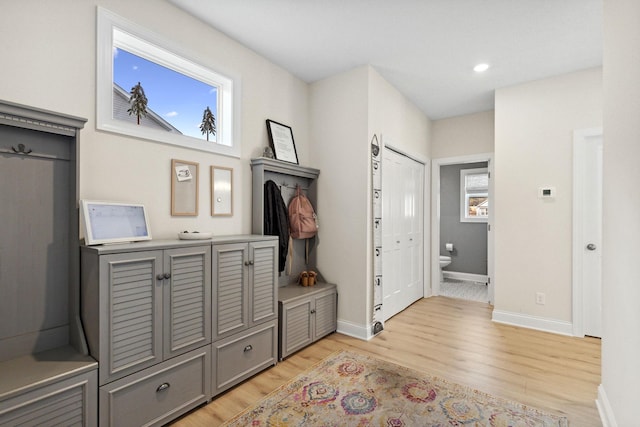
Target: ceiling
425,48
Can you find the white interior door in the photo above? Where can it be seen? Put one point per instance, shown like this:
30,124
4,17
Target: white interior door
402,232
588,233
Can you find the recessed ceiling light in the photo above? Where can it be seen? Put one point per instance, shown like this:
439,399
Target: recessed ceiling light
480,68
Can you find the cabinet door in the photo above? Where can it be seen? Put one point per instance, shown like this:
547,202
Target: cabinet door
230,299
296,329
130,313
325,314
263,299
187,299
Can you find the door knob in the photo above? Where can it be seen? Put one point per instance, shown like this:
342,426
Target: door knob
591,247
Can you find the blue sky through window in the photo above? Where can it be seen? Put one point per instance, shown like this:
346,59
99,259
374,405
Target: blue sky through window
178,99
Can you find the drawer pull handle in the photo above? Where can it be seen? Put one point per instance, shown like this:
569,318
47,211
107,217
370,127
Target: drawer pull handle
248,348
163,386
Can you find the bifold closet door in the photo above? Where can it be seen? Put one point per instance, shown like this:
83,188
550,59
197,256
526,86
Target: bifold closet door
402,231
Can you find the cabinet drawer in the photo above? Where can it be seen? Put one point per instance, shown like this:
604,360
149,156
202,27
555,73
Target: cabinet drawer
240,356
71,402
158,394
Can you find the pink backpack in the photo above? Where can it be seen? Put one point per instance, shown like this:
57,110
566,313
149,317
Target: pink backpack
303,222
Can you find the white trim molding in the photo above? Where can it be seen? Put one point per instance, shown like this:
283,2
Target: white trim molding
579,153
435,217
354,330
533,322
604,409
114,31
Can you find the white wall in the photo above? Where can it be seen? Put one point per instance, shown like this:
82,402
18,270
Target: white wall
339,126
463,135
50,63
346,110
397,119
618,396
533,148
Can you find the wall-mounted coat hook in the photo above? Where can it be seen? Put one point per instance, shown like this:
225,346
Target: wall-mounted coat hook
21,149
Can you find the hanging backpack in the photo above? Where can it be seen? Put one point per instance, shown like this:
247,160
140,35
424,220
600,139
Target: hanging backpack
303,222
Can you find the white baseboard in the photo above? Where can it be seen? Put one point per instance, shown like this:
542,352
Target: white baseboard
469,277
533,322
353,330
604,409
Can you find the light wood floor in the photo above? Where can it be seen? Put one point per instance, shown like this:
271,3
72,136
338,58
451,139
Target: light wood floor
455,340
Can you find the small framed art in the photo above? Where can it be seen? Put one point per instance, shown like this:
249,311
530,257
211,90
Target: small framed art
184,188
221,191
281,140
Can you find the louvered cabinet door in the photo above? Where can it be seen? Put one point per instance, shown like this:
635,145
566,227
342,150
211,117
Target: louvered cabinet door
325,314
230,268
297,326
187,299
131,313
264,281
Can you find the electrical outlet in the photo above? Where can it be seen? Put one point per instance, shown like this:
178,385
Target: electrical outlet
541,298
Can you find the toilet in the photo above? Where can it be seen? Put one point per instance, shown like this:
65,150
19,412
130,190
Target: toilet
445,260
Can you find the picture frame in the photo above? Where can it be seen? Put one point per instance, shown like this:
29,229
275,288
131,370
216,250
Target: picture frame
184,188
281,140
221,191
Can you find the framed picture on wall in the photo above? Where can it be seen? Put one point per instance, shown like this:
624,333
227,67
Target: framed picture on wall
221,191
281,140
184,188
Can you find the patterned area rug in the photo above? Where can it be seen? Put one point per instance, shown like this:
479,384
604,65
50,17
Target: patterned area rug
351,389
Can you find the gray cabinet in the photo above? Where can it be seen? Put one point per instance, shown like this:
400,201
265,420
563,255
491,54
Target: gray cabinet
68,402
54,387
173,323
287,176
306,315
146,308
45,374
245,300
158,394
246,285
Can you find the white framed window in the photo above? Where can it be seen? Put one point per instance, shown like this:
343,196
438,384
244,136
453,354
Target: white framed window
179,92
474,195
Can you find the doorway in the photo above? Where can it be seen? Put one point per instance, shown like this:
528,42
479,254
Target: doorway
587,232
402,231
437,214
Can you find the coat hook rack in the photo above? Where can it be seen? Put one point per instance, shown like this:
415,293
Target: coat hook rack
21,149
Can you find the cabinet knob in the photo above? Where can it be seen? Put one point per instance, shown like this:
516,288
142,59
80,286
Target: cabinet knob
160,276
162,387
167,275
246,263
248,348
251,262
313,311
